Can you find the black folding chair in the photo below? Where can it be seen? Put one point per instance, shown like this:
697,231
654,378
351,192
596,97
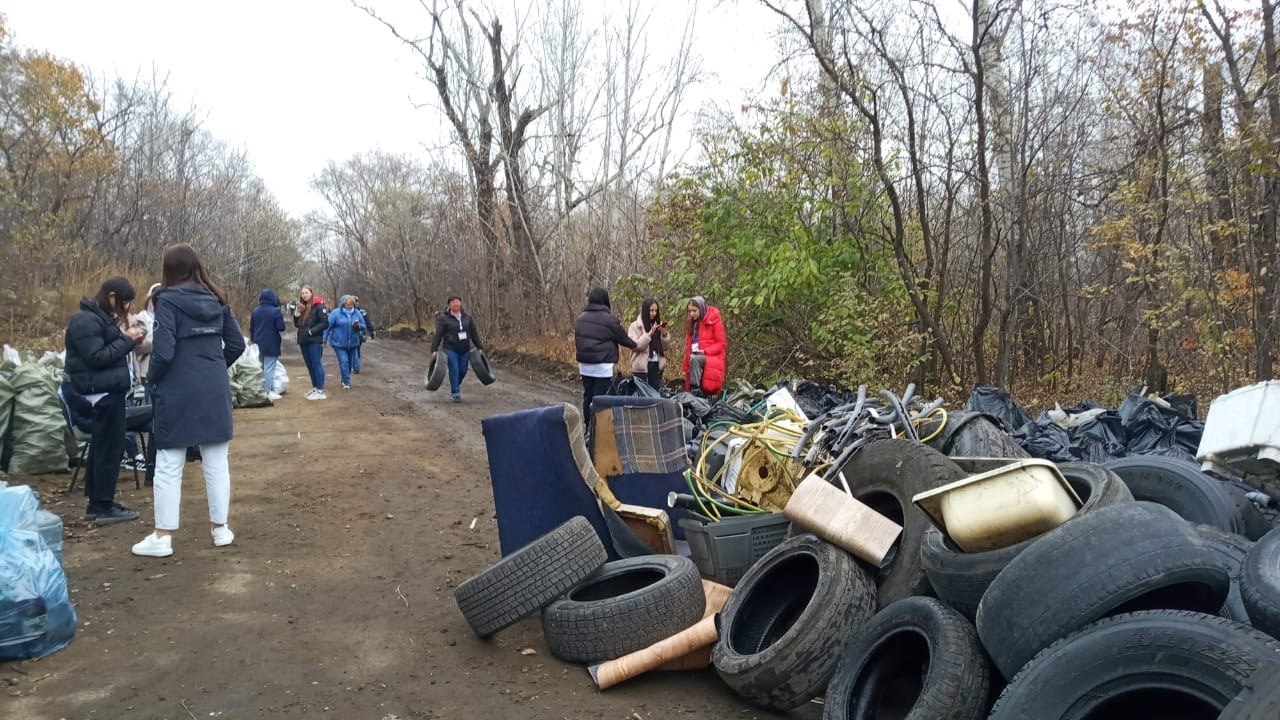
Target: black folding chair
83,440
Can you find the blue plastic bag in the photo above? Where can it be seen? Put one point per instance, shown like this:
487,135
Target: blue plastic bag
36,616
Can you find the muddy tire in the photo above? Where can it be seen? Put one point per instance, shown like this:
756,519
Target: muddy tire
961,578
983,437
786,624
481,368
525,581
916,659
1260,584
885,475
1127,557
624,606
1259,700
436,371
1180,486
1231,551
1152,664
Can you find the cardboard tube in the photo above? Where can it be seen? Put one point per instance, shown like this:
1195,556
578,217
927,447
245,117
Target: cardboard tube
702,634
689,649
826,511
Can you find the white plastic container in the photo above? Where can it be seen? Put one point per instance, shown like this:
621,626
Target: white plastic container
1242,431
1001,507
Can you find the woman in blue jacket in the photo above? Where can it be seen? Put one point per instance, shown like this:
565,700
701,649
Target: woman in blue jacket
265,325
343,334
196,340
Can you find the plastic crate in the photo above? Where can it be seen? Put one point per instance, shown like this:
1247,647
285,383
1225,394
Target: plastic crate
725,550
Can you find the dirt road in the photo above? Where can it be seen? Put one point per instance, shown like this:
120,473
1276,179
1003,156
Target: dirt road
353,525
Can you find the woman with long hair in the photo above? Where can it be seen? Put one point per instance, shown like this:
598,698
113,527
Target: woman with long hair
311,317
97,367
706,349
649,358
196,339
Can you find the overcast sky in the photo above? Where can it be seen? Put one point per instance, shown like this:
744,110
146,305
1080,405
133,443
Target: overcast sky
297,83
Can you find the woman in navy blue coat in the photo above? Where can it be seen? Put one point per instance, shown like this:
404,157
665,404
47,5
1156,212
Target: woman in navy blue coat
196,339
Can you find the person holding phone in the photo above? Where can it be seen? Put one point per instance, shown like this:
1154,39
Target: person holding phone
97,366
649,331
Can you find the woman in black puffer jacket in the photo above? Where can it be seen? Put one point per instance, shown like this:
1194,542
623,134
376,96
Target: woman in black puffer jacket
97,367
596,337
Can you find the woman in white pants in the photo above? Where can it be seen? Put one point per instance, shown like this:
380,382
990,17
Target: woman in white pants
196,338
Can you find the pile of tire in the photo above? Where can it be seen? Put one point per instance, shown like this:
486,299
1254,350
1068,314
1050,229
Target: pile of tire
1127,610
1149,602
591,610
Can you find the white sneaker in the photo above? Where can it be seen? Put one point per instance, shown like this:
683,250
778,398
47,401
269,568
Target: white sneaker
311,395
222,536
316,395
154,546
274,397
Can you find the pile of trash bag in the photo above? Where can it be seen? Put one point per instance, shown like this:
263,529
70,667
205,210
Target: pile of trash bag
33,431
36,616
1091,432
248,389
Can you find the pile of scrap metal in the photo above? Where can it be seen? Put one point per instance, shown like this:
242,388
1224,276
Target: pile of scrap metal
755,465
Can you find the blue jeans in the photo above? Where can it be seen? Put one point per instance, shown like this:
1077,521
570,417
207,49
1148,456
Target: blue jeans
269,373
458,362
344,362
312,355
355,358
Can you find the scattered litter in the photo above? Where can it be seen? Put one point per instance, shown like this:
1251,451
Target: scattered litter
527,651
390,516
157,576
473,523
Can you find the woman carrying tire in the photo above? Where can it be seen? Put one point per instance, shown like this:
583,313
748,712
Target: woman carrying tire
456,331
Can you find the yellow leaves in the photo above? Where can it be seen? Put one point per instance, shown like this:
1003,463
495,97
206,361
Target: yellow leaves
1235,286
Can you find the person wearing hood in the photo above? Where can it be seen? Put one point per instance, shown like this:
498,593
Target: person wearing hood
596,337
650,355
311,317
456,330
343,335
97,366
196,340
265,325
705,348
367,334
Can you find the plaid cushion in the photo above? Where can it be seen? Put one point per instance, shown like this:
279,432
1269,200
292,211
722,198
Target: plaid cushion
650,439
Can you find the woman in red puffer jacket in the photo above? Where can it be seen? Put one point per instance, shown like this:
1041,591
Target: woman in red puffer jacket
706,348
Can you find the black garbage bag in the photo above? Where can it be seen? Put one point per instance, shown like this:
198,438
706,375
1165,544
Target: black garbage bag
695,408
631,386
726,412
1100,439
1152,426
998,404
1044,439
1184,405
